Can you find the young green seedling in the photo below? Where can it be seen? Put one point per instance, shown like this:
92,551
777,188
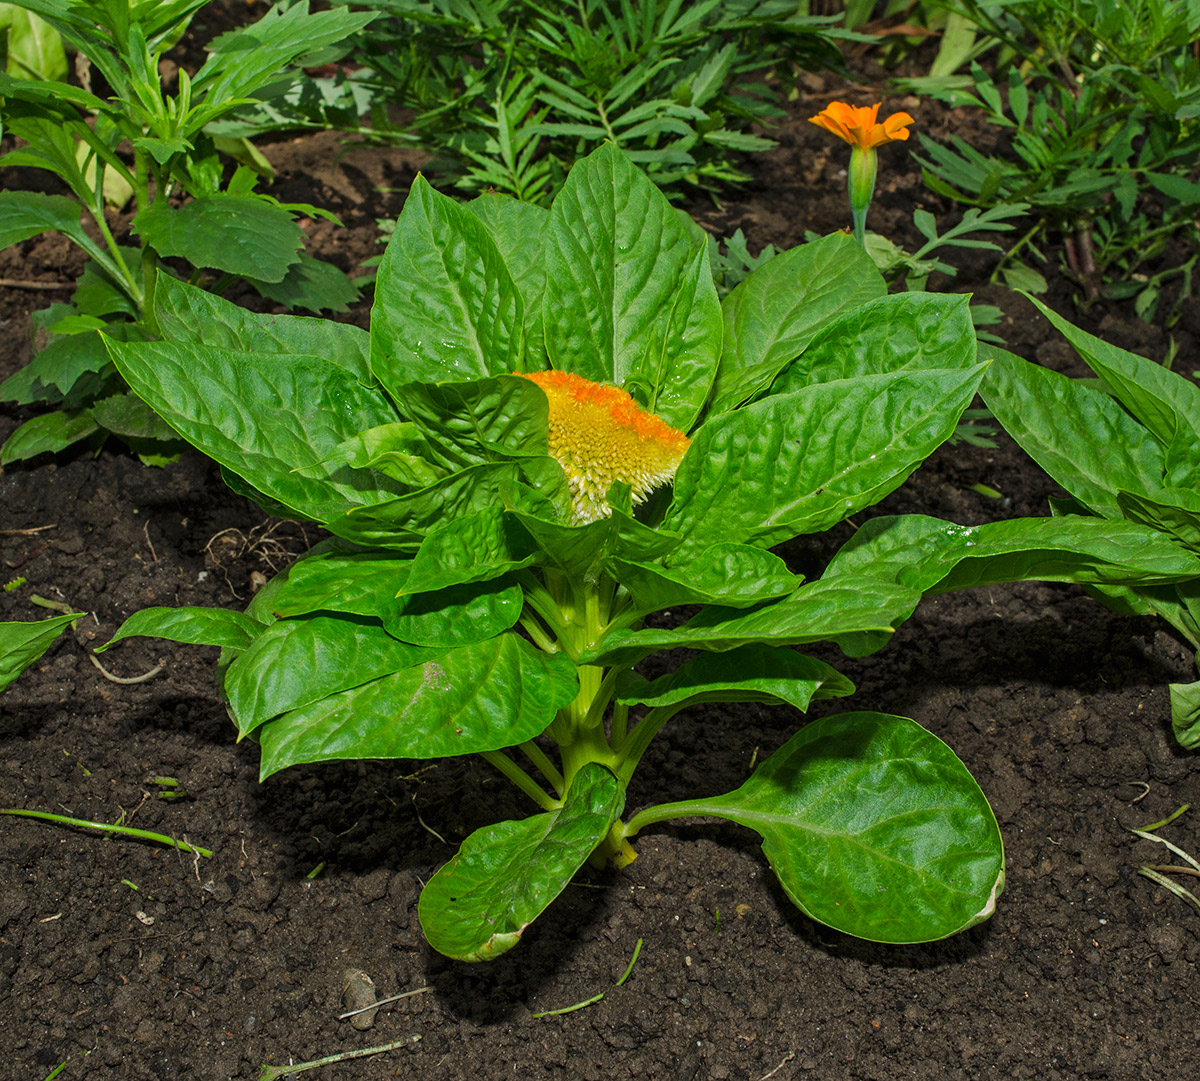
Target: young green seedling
554,433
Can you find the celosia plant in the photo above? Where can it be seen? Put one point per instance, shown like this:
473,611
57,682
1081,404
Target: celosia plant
502,543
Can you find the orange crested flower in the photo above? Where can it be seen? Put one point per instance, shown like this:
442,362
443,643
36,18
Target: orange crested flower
857,126
600,435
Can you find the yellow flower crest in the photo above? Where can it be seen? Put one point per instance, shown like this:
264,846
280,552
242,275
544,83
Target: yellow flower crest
600,435
856,124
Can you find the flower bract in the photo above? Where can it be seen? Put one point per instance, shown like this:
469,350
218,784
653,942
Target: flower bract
600,435
857,124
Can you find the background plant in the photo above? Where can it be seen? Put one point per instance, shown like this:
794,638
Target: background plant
508,93
134,141
1103,109
472,600
1126,451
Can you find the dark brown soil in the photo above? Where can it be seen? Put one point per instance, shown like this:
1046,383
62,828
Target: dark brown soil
132,961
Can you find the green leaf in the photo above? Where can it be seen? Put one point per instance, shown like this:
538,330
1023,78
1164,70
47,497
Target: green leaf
446,305
478,905
25,214
579,550
517,228
909,331
1078,435
1164,401
245,235
858,612
47,434
777,310
1185,713
395,450
735,575
786,466
358,583
481,697
21,644
754,673
311,284
34,48
132,419
874,828
629,294
476,548
191,626
457,614
296,662
188,314
263,417
1174,511
67,359
934,556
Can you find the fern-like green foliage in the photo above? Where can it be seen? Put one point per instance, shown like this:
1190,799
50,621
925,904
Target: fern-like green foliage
509,93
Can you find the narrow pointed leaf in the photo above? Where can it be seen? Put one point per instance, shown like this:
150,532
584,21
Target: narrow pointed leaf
480,697
874,828
192,626
478,905
21,644
755,673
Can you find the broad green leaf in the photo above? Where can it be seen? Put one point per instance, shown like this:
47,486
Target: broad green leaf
456,615
188,314
735,575
312,285
446,306
296,662
629,294
777,310
395,450
517,229
476,548
263,416
1185,713
239,234
132,419
1080,436
874,828
802,462
25,214
905,331
578,550
934,556
34,48
1174,511
855,611
754,673
481,697
484,420
191,626
67,359
478,905
363,584
47,434
1164,401
21,644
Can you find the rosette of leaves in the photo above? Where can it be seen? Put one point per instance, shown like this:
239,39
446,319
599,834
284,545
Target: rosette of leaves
474,599
1127,450
509,93
132,140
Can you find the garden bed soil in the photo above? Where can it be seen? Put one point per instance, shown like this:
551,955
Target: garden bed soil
133,961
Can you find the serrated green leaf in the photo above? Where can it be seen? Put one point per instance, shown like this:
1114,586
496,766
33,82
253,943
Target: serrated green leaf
67,359
478,905
874,827
446,305
480,697
785,466
1078,435
25,214
296,662
191,626
629,295
21,644
263,416
239,234
776,311
754,673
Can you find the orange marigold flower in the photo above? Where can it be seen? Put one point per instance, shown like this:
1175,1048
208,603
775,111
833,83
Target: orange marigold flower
856,124
600,435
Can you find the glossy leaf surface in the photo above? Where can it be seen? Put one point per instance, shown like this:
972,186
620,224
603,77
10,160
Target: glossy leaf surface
191,626
21,644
